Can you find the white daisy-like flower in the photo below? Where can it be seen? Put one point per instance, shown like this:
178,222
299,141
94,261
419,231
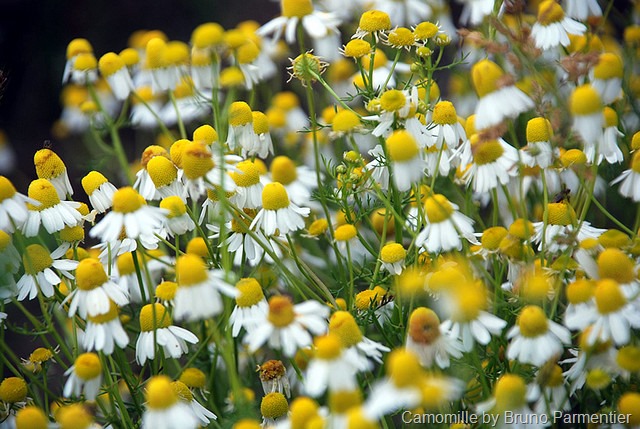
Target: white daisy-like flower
428,342
378,168
156,328
74,49
248,186
95,290
538,151
344,326
582,9
99,190
251,305
494,163
607,147
125,274
468,319
278,212
446,129
599,355
392,257
549,388
588,120
177,221
262,144
104,331
580,302
240,133
203,415
332,367
499,98
85,376
552,27
407,166
49,166
317,24
10,260
445,226
606,77
535,339
51,212
397,105
115,71
38,266
144,185
630,179
13,206
165,178
131,214
286,326
299,181
206,169
198,295
189,105
164,409
145,111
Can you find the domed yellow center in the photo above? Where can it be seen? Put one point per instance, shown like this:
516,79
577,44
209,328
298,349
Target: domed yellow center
110,63
549,12
159,393
281,312
250,292
532,321
240,114
88,366
486,152
150,321
93,181
374,20
194,378
424,326
510,391
196,160
344,326
274,405
90,274
248,175
444,113
190,270
327,347
438,208
162,171
402,147
609,298
392,100
127,200
48,164
615,264
174,205
538,130
274,197
561,214
585,101
13,389
36,259
403,368
485,75
43,191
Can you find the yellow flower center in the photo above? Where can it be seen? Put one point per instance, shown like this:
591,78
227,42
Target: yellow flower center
561,214
357,48
344,326
538,130
159,393
286,100
174,205
549,12
198,247
13,389
176,150
247,53
190,270
403,368
585,101
240,114
88,366
127,200
491,237
35,259
242,226
296,8
110,63
470,300
628,358
207,34
345,232
196,160
609,66
536,287
248,175
90,274
597,379
43,191
327,347
444,113
275,197
7,190
521,228
93,181
370,298
485,75
411,282
151,152
392,253
194,378
392,100
77,46
401,37
356,419
342,400
166,290
635,162
231,77
510,391
274,405
205,134
608,296
250,292
580,291
532,321
5,240
486,152
283,170
162,171
573,157
40,355
271,370
610,117
130,57
615,264
155,53
345,121
470,126
125,264
260,123
85,61
247,424
182,390
425,30
280,311
48,164
613,238
374,20
31,417
303,410
74,416
438,208
424,326
318,227
629,404
110,315
402,146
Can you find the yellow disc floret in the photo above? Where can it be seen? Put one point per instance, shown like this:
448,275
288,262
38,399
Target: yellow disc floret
206,35
162,171
486,75
402,146
296,8
345,232
609,66
392,100
74,416
127,200
538,130
403,368
392,253
274,405
424,326
344,326
154,316
166,290
561,214
35,259
190,270
13,389
194,378
283,170
110,63
609,297
31,417
615,264
491,237
240,114
250,292
470,300
275,197
401,37
92,181
43,191
532,321
85,61
7,190
260,123
159,393
628,358
205,133
629,405
374,20
580,291
78,46
174,205
281,312
485,152
438,208
90,274
248,174
87,366
327,347
357,48
444,113
549,12
196,160
585,101
48,164
345,121
303,410
510,392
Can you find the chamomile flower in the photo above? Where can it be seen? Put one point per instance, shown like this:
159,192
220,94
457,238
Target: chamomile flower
445,226
99,190
178,221
38,271
115,71
404,156
299,181
130,216
535,339
286,326
582,9
510,398
427,341
51,212
331,367
317,24
549,387
606,77
156,328
199,411
447,129
164,409
104,331
249,188
392,257
580,300
74,416
95,290
273,407
13,206
493,164
396,105
31,417
205,170
13,393
164,176
74,49
630,179
278,212
586,108
262,145
538,151
84,69
146,106
405,12
608,146
251,305
85,377
499,98
126,275
552,27
198,296
143,184
374,23
344,326
49,166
